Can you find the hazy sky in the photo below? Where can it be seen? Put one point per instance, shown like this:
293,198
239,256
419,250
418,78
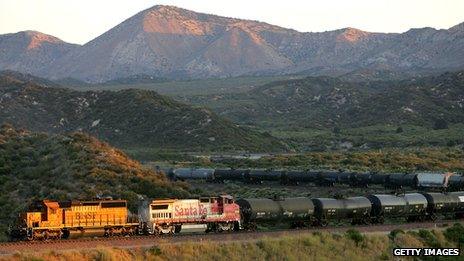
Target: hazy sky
80,21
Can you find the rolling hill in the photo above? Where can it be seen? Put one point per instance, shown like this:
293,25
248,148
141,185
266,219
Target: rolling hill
170,42
36,166
126,118
324,102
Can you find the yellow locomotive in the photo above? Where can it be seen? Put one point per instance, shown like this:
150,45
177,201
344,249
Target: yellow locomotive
52,220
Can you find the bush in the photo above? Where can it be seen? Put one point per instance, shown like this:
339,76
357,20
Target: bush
429,238
355,235
455,233
394,233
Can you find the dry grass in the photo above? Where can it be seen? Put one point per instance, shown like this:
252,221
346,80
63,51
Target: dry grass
318,246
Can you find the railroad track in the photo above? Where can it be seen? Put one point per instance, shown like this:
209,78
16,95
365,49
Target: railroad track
10,248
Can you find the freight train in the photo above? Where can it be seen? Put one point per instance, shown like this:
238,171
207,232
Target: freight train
55,220
421,180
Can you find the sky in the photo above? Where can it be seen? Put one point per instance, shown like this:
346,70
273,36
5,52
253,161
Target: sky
80,21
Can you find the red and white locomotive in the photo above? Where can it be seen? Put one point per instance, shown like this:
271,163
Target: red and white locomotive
168,216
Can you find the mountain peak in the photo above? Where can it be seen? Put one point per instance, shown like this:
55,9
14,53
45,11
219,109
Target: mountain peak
168,19
351,34
36,39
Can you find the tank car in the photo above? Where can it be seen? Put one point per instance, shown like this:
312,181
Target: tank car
379,179
362,179
297,211
459,195
346,178
193,174
441,204
431,181
416,206
387,206
327,178
455,182
221,175
203,174
296,177
399,180
257,176
355,209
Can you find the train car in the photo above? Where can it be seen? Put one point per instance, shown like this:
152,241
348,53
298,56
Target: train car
459,195
387,206
379,178
346,178
398,180
203,174
431,181
193,174
455,182
416,206
327,178
169,216
355,209
363,179
441,204
52,220
296,177
297,211
182,174
257,176
221,175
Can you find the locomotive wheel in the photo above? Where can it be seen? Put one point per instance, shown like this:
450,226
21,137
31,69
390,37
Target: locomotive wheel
225,227
45,235
177,229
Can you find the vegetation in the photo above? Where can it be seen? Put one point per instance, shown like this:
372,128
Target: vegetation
186,88
371,137
385,160
321,113
317,246
36,166
127,118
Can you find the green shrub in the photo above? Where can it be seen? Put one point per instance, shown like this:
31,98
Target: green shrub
355,235
394,233
455,233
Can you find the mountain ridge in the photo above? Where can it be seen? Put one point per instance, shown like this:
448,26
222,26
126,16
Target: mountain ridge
171,42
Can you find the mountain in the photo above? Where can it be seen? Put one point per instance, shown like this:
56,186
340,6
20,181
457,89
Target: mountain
127,118
170,42
325,102
31,52
35,166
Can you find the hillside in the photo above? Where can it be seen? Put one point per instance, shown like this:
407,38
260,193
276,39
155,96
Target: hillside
76,166
323,102
126,118
170,42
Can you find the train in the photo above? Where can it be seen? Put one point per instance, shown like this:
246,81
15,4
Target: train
60,220
419,180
